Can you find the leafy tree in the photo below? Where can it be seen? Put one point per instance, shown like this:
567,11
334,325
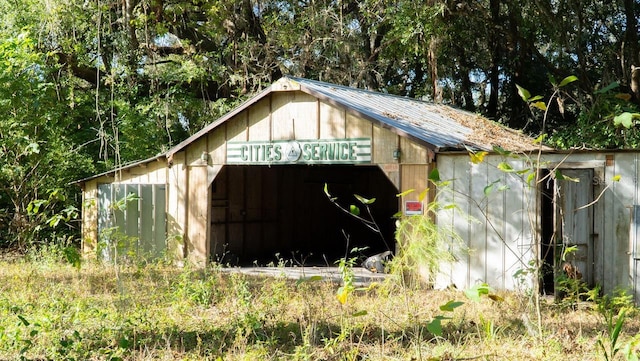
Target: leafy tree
93,84
36,157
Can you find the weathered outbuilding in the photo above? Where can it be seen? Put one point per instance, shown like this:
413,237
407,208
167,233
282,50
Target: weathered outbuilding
250,185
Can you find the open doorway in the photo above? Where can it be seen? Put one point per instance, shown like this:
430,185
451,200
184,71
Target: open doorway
263,214
566,227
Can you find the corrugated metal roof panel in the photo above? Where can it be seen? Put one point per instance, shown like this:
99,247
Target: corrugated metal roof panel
418,118
440,126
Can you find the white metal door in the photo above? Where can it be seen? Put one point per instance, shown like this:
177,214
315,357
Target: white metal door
574,213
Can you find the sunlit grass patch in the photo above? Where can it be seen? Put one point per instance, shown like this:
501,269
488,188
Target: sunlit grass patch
161,312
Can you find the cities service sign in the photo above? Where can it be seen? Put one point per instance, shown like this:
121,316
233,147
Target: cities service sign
322,151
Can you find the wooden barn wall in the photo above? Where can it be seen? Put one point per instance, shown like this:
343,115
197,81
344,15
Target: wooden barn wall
177,206
494,229
281,115
297,115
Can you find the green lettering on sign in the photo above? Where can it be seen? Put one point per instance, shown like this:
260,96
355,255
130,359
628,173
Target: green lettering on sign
314,151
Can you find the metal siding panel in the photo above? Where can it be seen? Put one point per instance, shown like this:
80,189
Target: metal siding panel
617,245
117,196
461,222
635,252
146,219
495,225
104,219
519,204
131,218
477,181
159,220
445,218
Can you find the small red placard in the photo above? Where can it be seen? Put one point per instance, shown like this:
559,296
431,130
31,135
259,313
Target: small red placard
413,208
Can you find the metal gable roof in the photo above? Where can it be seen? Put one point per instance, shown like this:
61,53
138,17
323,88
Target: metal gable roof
418,119
438,126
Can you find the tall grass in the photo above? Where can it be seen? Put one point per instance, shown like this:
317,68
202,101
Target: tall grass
50,310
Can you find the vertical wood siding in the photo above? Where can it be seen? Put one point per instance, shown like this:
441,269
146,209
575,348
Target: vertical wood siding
197,240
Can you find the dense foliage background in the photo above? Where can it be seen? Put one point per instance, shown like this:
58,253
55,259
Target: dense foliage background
87,85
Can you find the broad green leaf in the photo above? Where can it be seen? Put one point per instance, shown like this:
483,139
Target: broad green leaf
435,326
451,305
326,191
560,176
552,79
434,175
34,206
540,105
505,167
567,80
476,291
423,194
364,200
477,158
488,189
534,98
569,250
23,320
530,178
360,313
524,93
540,139
625,119
405,193
342,295
354,210
503,152
611,86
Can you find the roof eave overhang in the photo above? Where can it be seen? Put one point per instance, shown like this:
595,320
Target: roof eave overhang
115,171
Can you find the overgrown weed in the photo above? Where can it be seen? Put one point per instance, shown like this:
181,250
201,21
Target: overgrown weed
162,312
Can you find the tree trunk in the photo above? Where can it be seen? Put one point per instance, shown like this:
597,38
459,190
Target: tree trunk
632,54
494,46
436,91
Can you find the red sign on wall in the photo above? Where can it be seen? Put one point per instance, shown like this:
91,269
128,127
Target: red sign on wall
412,208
